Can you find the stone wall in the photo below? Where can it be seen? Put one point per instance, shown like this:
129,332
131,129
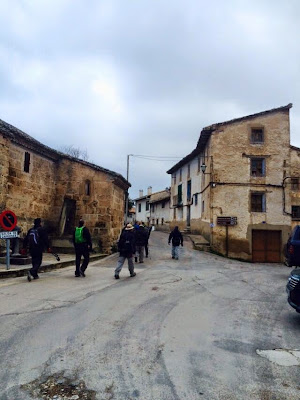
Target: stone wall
295,171
50,182
29,194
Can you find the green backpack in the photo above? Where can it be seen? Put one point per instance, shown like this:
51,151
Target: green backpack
79,235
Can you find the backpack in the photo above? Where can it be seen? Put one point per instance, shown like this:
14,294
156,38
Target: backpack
126,244
79,235
34,240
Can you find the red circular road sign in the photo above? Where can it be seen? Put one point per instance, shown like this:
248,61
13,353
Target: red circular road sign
8,220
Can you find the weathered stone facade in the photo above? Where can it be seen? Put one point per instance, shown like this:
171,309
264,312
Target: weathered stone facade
59,189
239,172
293,184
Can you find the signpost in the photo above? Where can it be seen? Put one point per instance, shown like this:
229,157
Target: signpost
227,221
8,222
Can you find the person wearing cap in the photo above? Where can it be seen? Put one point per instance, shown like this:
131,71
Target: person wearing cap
37,241
126,248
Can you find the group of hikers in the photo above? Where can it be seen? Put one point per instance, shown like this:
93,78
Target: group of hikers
133,242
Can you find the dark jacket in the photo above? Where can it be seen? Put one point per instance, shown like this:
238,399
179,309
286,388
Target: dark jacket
141,236
86,236
42,241
176,237
126,243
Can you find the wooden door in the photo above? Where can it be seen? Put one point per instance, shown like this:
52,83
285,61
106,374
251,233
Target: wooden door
266,246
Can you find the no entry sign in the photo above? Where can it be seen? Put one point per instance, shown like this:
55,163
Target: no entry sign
8,220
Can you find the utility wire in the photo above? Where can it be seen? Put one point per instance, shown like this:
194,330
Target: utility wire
156,158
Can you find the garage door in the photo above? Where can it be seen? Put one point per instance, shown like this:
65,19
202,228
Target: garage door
266,246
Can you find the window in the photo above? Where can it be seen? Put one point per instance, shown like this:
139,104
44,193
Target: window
295,212
163,204
26,161
189,190
295,183
196,199
180,175
189,171
152,207
174,178
140,207
258,202
174,213
162,221
203,206
257,135
87,188
199,163
147,205
258,167
179,194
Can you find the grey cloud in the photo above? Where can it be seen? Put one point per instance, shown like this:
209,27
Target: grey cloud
144,77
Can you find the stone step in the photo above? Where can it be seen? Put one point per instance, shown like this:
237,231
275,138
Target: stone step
202,247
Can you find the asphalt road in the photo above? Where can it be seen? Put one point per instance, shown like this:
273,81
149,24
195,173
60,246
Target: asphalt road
195,328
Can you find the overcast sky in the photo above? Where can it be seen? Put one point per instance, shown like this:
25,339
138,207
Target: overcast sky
119,77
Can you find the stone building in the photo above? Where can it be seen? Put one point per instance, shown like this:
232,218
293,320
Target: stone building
37,181
234,188
293,185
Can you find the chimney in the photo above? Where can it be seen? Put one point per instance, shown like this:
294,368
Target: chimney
149,192
140,193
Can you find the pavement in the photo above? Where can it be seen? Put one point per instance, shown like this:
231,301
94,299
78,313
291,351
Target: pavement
49,263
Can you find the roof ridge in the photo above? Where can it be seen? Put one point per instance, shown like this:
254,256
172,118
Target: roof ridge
282,108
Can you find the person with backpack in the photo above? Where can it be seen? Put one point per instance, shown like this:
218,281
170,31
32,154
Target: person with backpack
37,241
177,239
83,245
126,247
141,240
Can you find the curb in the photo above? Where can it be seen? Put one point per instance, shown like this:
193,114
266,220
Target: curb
14,273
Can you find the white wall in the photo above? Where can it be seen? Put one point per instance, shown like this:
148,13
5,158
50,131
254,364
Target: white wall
160,212
142,215
196,179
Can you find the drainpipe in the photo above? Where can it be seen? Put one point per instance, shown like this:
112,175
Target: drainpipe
283,195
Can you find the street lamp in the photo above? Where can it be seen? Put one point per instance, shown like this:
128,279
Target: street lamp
203,169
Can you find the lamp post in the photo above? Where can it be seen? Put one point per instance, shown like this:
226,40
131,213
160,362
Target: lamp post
127,194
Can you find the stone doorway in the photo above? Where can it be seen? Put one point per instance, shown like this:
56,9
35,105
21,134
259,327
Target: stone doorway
67,219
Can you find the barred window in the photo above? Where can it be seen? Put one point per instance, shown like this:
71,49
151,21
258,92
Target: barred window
295,212
257,135
258,202
258,167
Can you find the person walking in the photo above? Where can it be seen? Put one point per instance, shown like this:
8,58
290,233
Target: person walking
149,229
37,241
141,239
126,247
83,245
177,239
